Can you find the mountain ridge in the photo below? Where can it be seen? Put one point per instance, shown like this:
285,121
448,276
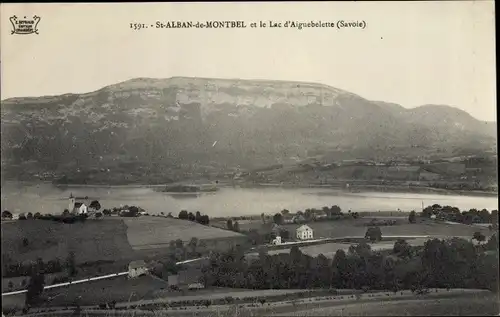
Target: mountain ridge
235,80
160,125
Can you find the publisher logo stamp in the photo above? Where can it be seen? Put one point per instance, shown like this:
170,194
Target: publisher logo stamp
24,25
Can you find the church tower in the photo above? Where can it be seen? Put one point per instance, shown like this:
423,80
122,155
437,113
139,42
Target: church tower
71,205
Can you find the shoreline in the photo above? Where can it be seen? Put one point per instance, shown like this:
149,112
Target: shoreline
355,189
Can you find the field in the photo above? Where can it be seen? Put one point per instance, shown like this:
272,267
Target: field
156,232
134,291
357,227
341,228
459,306
113,239
329,249
93,240
96,292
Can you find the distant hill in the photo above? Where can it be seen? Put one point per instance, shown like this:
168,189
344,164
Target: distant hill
157,130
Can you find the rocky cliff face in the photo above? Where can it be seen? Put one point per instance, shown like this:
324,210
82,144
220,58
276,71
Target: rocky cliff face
146,127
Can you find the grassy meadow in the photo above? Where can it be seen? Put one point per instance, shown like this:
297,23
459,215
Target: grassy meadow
156,232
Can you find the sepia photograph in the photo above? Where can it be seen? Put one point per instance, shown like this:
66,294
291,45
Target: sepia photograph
248,159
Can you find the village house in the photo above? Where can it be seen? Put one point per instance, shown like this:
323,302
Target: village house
298,219
276,240
137,268
304,232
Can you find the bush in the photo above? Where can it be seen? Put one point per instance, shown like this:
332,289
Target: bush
6,214
373,234
412,218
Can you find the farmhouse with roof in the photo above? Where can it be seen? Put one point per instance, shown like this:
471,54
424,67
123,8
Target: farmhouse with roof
304,232
137,268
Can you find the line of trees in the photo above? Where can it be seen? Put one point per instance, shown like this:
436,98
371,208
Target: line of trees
197,217
454,263
313,214
467,216
233,226
10,269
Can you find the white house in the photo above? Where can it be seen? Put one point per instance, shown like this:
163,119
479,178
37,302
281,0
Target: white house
137,268
304,232
276,241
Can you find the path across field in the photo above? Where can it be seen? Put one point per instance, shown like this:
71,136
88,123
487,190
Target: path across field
102,277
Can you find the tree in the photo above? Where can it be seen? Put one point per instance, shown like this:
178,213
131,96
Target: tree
284,234
37,215
198,217
427,212
494,217
285,212
373,234
204,220
71,264
362,249
170,215
183,215
98,214
95,205
106,212
6,214
191,217
336,210
22,217
479,237
326,211
308,214
236,226
29,215
229,224
178,243
65,212
133,211
193,242
485,216
412,218
402,248
278,219
35,288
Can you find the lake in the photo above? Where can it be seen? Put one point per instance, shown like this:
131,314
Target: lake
46,198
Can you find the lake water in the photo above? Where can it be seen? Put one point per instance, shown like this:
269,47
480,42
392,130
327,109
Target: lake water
46,198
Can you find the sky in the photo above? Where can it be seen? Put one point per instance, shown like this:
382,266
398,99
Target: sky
410,53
